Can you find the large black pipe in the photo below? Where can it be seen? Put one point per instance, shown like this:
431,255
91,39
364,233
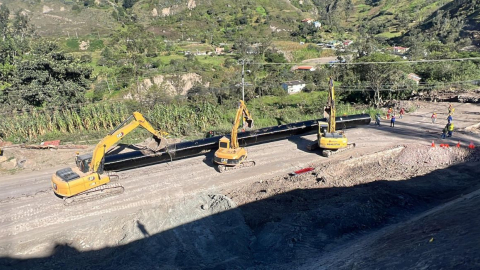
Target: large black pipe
181,150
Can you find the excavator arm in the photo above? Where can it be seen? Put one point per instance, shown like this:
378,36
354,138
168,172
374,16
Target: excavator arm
242,111
330,109
132,122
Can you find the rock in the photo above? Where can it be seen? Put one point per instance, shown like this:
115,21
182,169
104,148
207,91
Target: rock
21,162
3,159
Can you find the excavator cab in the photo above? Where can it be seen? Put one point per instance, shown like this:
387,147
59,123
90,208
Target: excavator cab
322,128
83,162
224,143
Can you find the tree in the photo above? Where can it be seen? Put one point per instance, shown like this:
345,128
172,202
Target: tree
48,77
4,13
128,3
378,76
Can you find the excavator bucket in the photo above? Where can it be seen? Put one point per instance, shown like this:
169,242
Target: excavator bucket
155,144
248,123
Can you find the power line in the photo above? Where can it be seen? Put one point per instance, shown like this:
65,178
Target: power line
371,63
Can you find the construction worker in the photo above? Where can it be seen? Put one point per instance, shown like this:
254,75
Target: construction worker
450,109
449,118
444,131
392,121
450,129
434,118
389,113
377,119
402,112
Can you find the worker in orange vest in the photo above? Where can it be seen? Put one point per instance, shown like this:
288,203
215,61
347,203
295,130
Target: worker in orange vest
389,112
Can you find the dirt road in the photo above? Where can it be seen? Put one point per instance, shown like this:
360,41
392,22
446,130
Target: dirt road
187,207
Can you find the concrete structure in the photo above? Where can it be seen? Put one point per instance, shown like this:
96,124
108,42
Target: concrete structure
219,50
399,50
307,20
293,87
415,77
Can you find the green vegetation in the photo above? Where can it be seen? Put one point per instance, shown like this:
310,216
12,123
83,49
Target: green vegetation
53,77
181,118
73,44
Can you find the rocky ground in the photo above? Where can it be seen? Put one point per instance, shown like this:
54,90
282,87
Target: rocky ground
393,202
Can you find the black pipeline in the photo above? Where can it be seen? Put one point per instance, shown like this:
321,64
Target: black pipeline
181,150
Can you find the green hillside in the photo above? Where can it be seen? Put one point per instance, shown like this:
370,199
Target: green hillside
144,53
221,19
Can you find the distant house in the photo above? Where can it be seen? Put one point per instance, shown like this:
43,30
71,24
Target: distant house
307,20
317,24
293,87
252,50
309,68
347,43
332,43
399,50
219,50
415,77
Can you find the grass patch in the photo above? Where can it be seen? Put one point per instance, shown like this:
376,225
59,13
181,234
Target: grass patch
165,59
96,45
389,34
261,11
212,60
73,44
310,51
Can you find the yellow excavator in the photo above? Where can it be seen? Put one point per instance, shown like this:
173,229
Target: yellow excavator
88,179
329,140
229,155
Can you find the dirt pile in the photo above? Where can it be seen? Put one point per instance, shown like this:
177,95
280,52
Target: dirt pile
308,214
446,237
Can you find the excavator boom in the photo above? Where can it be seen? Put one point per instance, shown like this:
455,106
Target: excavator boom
331,107
247,118
131,123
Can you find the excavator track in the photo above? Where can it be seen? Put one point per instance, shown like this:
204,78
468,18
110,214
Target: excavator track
245,164
327,153
107,190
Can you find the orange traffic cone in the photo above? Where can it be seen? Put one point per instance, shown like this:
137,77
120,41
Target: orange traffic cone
447,145
471,146
433,144
458,144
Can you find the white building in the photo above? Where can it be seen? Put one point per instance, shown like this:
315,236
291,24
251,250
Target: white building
293,87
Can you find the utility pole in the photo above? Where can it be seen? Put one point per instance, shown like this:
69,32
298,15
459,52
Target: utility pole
243,62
